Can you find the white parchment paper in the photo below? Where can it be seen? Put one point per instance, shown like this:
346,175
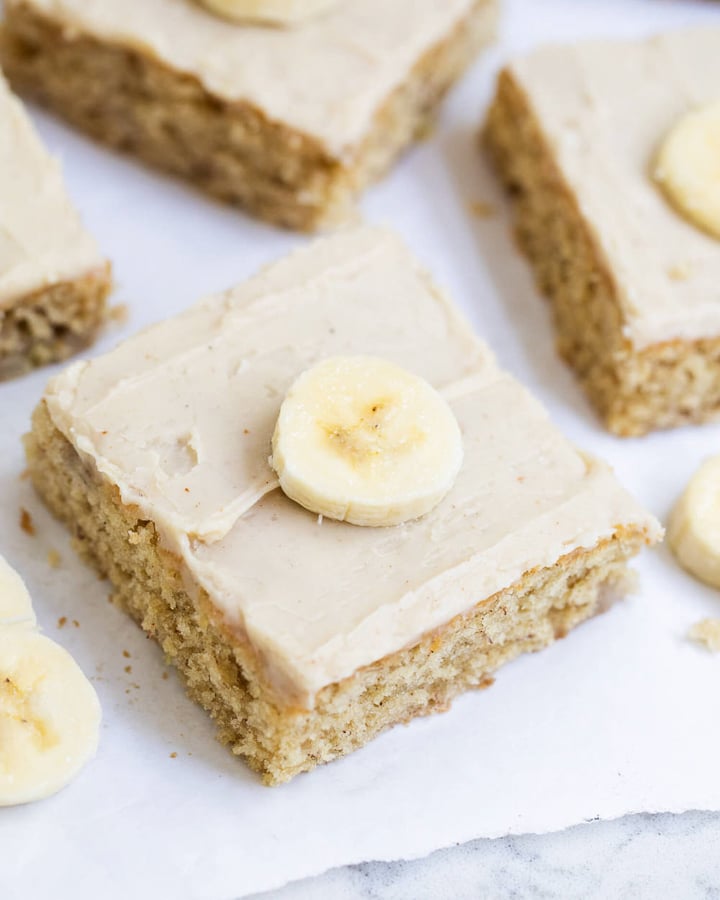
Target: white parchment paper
620,717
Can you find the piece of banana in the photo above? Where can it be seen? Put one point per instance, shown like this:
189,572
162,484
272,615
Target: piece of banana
694,527
49,717
361,440
15,604
269,12
688,167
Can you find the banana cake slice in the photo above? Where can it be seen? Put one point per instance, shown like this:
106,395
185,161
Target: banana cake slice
305,636
289,123
610,150
53,280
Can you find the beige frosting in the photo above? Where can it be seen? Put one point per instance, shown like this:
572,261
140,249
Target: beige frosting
42,241
326,78
180,418
605,108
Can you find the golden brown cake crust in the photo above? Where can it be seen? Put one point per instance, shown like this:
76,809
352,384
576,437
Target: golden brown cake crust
224,676
635,391
52,323
230,150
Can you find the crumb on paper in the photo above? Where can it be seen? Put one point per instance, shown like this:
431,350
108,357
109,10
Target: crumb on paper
481,210
119,314
62,622
26,522
54,559
173,756
707,632
679,271
128,669
165,676
126,654
76,623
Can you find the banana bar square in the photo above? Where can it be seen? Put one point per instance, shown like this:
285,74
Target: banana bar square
289,123
575,132
53,280
306,637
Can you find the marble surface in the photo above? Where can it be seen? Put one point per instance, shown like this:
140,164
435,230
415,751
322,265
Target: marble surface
643,857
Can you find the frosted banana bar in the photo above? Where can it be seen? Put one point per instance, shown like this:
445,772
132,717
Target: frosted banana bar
289,123
303,636
615,144
53,280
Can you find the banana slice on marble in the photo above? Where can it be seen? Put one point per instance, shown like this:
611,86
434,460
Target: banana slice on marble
694,527
688,167
15,603
364,441
269,12
49,717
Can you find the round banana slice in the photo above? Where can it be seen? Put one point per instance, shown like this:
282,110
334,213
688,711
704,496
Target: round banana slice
694,527
49,717
361,440
15,603
269,12
688,167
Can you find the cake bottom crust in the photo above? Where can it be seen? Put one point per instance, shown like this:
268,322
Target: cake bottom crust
131,101
634,390
52,323
220,672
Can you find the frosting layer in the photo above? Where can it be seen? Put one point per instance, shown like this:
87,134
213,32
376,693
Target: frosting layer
326,78
42,241
181,417
604,108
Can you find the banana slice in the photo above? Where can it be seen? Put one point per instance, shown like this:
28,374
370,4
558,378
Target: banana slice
688,167
15,604
694,527
269,12
361,440
49,717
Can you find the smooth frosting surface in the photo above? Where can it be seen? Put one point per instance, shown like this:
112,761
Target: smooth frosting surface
326,78
605,108
181,417
42,241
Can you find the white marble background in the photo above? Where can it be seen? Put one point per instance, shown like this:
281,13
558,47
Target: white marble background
643,857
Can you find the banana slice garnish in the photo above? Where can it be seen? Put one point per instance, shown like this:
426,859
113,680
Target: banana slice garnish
15,604
364,441
49,711
269,12
688,167
694,527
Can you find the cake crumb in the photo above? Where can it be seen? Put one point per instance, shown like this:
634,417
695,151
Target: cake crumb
165,676
679,272
707,632
481,210
62,622
26,522
119,314
173,756
126,654
128,669
54,559
76,623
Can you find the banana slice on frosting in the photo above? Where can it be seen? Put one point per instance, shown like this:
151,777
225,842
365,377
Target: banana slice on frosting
364,441
15,604
269,12
49,717
694,527
688,167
